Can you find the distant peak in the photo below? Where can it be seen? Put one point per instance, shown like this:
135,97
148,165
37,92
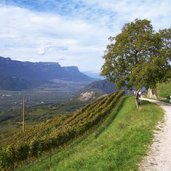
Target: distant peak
5,58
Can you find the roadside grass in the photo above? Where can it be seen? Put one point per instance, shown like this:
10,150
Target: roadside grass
119,143
164,90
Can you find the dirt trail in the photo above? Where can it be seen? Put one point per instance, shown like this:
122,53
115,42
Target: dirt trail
159,156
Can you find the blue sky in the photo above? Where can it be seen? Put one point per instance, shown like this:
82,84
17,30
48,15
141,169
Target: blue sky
71,32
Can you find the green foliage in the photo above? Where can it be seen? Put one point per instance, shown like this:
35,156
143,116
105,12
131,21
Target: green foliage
164,90
138,56
58,131
120,146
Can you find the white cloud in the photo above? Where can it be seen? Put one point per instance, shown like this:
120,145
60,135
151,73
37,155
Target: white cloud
34,36
76,36
159,12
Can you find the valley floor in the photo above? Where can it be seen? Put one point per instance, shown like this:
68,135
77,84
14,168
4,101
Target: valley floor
159,155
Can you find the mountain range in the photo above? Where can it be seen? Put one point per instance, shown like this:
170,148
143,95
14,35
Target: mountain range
100,87
17,75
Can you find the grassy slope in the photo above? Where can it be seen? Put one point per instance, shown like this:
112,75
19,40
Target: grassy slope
164,90
119,146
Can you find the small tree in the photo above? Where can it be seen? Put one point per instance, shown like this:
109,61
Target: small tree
138,57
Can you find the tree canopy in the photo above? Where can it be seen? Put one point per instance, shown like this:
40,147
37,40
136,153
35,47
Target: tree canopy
138,56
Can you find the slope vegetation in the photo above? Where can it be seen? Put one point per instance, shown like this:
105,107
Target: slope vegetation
117,143
55,133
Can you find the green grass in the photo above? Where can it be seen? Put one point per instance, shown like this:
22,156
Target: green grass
164,90
116,144
55,132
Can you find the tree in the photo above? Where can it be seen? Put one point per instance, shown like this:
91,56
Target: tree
138,56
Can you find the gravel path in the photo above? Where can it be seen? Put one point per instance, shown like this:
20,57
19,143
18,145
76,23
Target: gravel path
159,156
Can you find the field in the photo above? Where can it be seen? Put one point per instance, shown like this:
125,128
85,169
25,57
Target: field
116,141
10,120
54,92
55,132
116,144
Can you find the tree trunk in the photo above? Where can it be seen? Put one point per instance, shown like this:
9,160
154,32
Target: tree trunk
12,167
137,100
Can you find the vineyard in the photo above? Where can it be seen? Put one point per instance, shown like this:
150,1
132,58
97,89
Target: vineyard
55,132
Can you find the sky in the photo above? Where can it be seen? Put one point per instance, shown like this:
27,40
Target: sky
71,32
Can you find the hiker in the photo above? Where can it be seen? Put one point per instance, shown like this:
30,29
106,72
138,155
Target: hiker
139,94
